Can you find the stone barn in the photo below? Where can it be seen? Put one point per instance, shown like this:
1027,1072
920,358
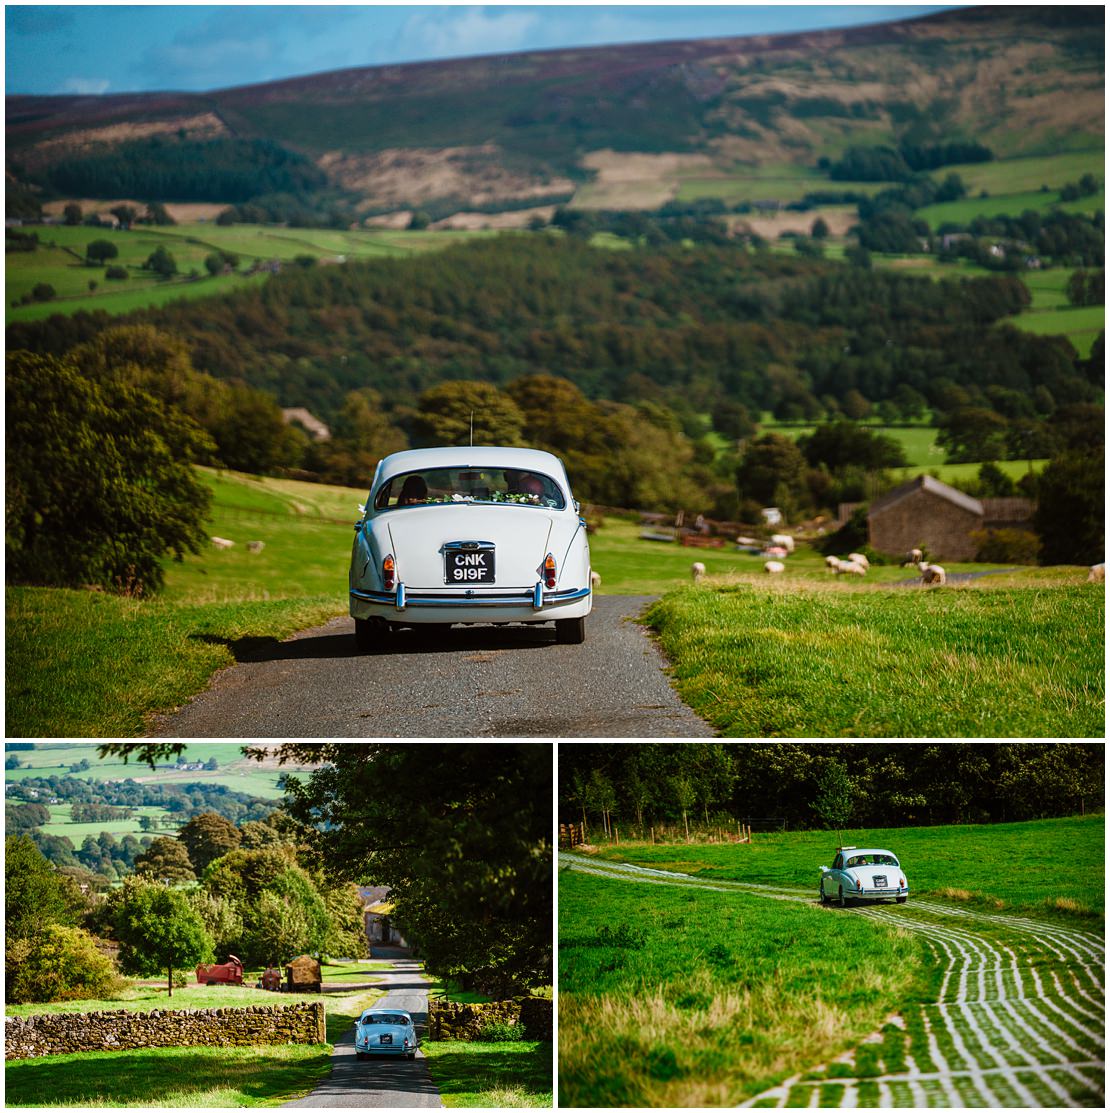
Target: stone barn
376,909
928,514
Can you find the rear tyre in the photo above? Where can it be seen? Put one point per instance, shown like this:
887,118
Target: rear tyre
824,897
370,634
360,1055
900,900
410,1056
843,903
570,631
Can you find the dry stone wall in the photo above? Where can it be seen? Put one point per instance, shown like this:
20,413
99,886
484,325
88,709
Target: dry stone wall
452,1020
28,1037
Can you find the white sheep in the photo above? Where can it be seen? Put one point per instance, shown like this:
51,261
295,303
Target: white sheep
255,546
783,539
860,559
697,570
221,542
774,567
932,573
831,563
914,557
850,568
1096,574
595,581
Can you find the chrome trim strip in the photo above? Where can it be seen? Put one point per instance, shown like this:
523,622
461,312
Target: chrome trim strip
524,599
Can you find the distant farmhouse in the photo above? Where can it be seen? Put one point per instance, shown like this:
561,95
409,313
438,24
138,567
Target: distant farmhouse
376,909
930,515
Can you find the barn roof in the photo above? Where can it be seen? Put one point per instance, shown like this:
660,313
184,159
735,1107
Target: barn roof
934,487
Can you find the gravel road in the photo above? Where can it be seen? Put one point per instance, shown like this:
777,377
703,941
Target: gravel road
1017,1023
382,1083
472,681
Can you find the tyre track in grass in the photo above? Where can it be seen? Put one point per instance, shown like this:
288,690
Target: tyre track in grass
1018,1021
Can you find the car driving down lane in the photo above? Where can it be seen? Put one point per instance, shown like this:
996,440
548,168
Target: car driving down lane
393,1082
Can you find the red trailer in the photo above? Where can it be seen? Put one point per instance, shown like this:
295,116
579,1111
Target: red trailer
229,973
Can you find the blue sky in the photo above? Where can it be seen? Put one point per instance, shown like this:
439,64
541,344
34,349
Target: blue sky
113,48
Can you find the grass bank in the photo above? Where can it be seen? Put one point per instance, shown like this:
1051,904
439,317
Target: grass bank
811,659
491,1075
672,998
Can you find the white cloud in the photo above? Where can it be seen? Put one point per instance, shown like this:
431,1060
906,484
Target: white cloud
458,32
86,86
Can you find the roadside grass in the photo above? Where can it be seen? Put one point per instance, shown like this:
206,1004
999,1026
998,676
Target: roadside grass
491,1075
674,998
85,664
451,991
813,659
965,864
190,1077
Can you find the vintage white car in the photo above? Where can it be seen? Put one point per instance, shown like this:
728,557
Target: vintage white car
385,1032
863,874
469,535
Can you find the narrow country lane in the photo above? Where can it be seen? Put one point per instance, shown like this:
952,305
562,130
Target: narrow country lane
1018,1022
393,1083
473,681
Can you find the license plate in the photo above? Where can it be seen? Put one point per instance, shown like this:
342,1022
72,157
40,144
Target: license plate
387,1038
879,882
470,566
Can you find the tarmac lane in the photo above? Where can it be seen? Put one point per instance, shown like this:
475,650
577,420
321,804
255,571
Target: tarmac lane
465,681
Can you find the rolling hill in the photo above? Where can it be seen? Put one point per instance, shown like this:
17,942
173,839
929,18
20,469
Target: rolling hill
619,127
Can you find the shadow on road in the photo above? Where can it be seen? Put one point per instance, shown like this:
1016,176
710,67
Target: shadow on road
340,643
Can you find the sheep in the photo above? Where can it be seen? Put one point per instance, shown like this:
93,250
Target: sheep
784,540
697,570
850,568
1096,574
774,567
595,581
932,573
221,542
776,551
255,546
914,557
860,559
831,563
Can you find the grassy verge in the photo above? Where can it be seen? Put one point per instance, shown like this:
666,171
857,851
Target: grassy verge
491,1075
670,997
194,1077
830,659
81,664
968,864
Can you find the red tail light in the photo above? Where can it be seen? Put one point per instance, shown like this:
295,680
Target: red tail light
389,573
549,571
901,882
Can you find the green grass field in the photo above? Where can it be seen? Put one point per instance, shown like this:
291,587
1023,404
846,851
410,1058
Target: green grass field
492,1075
674,993
189,244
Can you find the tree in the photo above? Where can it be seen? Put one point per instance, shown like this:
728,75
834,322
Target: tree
462,413
685,796
843,444
161,262
972,434
835,798
34,895
207,837
99,480
1071,494
770,464
820,229
72,214
99,251
157,930
463,842
156,214
25,816
12,762
166,860
43,291
60,963
125,214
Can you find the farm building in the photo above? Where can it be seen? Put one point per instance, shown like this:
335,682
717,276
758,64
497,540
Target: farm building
376,909
928,514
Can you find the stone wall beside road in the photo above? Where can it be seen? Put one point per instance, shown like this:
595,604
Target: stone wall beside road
452,1020
28,1037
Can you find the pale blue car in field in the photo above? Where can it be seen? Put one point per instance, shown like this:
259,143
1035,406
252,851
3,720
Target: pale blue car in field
385,1032
863,874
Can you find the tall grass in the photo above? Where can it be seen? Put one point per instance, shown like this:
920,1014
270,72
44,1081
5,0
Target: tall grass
674,998
824,660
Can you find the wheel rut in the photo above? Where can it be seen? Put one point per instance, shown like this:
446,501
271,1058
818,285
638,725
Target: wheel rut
1018,1020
